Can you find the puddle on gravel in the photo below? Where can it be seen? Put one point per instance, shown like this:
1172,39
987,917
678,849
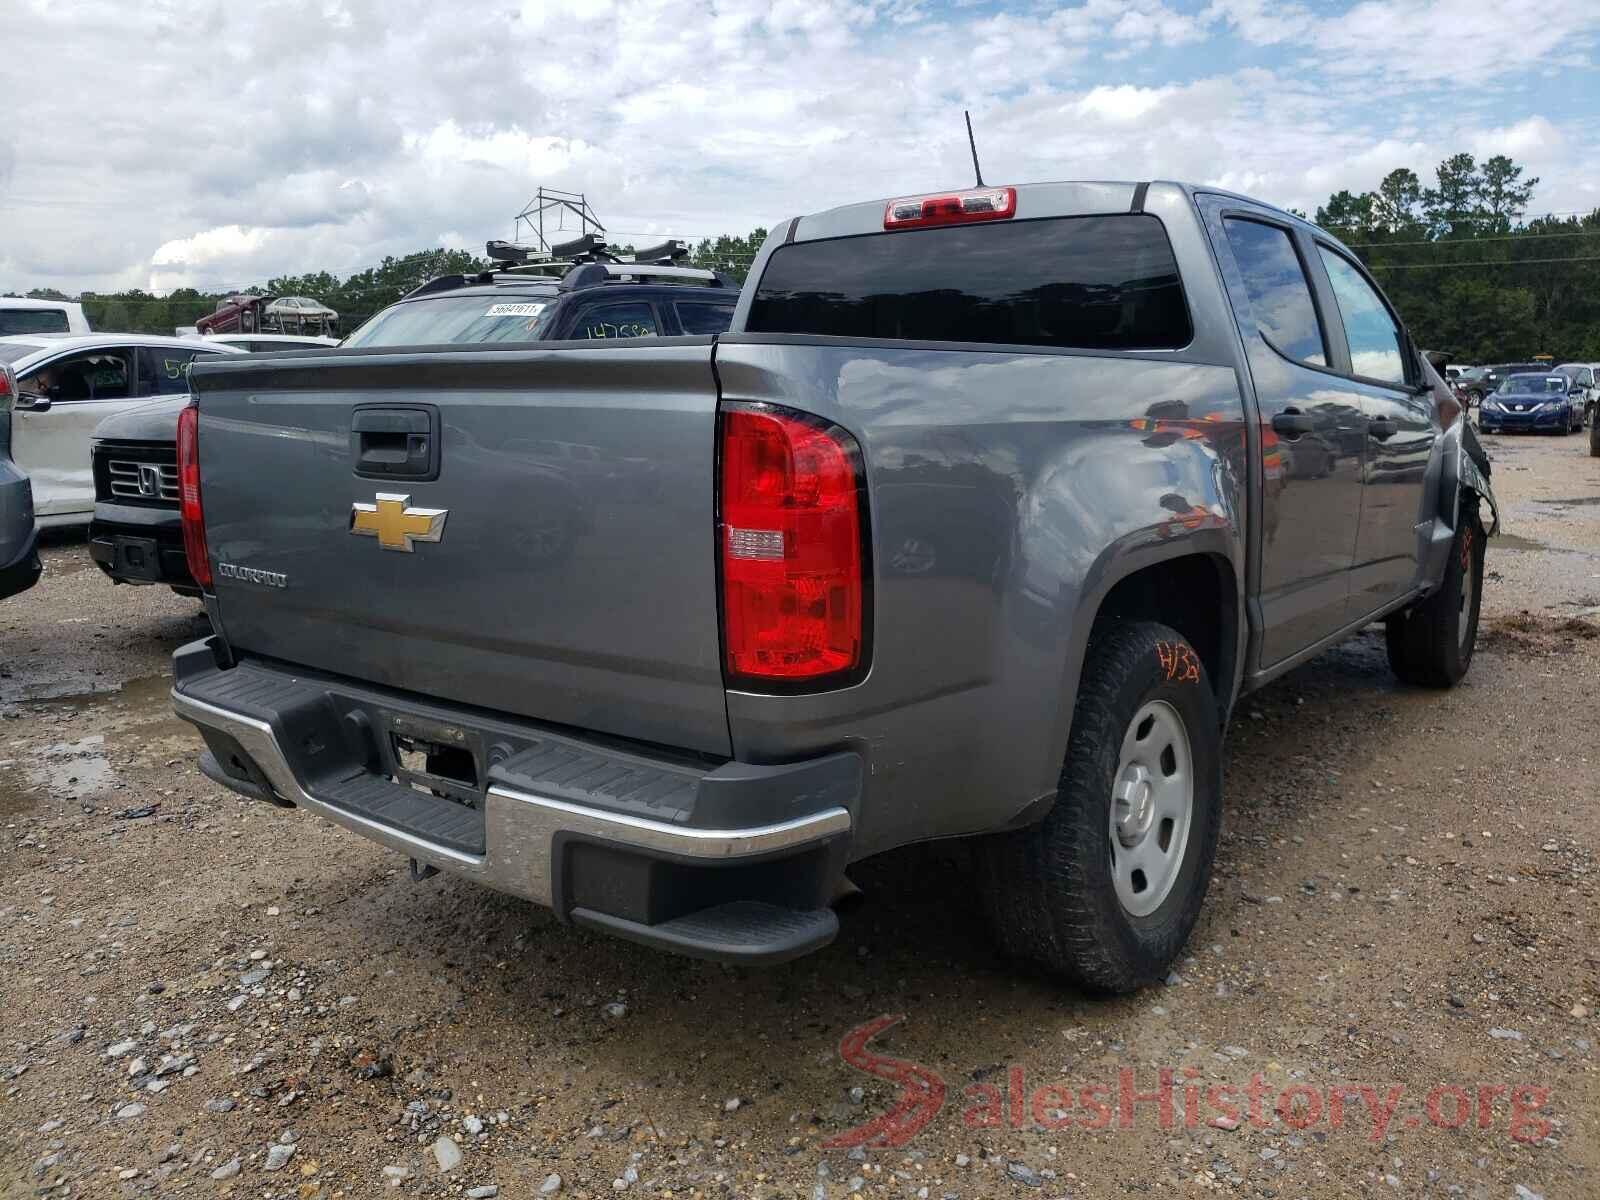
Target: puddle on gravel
126,720
1512,541
136,693
1578,500
73,769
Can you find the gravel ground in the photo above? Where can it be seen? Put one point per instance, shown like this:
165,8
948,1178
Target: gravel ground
206,996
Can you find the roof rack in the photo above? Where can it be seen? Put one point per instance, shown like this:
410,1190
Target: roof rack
587,262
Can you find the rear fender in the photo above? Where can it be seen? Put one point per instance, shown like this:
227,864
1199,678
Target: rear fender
1209,523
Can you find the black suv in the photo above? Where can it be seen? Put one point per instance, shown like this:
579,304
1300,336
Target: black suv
1493,376
600,297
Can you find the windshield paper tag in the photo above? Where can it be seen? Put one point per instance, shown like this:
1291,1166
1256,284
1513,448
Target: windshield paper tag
514,310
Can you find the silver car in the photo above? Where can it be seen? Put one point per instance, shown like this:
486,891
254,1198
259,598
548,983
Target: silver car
1583,380
64,387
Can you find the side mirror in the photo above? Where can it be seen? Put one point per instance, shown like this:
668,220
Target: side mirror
1575,390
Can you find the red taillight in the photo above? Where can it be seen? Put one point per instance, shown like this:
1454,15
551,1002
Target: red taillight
793,601
951,208
189,510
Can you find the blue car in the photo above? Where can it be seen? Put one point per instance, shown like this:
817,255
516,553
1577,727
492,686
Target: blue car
1531,402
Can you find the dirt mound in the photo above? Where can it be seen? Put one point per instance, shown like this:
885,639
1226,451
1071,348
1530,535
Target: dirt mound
1528,633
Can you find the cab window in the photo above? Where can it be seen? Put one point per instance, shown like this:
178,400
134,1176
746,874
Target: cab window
90,375
1280,294
1374,338
607,321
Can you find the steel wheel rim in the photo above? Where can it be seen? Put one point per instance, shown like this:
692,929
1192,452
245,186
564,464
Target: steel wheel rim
1152,808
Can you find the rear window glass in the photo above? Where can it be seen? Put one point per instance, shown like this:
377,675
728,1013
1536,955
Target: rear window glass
1092,283
443,320
33,320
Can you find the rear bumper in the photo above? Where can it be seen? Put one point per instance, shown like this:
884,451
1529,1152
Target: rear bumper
734,862
23,573
19,533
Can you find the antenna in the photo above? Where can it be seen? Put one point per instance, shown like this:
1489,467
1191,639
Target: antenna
971,141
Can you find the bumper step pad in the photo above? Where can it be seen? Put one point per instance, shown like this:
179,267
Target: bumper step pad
746,931
422,814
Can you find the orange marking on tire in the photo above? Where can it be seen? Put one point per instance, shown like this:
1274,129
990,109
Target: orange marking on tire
1178,661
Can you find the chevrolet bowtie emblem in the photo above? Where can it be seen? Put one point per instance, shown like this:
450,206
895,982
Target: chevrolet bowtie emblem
396,525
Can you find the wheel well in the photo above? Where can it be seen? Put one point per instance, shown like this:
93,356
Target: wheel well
1196,595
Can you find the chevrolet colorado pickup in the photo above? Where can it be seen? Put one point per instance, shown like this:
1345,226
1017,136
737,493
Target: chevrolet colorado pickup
976,523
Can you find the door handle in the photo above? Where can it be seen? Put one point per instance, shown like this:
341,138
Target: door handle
1383,428
1291,423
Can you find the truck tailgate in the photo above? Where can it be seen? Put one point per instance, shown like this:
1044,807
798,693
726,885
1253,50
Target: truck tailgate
573,579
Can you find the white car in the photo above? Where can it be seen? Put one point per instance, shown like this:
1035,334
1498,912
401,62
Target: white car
264,343
66,386
41,318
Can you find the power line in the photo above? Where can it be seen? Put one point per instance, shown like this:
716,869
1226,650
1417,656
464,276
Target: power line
1518,262
1473,241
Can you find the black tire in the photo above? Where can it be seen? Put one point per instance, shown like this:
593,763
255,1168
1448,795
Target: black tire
1431,644
1049,890
1594,437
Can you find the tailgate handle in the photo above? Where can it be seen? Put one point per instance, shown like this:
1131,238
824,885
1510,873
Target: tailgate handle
395,443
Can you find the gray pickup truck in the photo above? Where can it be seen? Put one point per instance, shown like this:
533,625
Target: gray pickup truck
976,524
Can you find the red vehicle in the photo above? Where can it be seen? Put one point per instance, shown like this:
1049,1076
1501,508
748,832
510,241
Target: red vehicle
241,313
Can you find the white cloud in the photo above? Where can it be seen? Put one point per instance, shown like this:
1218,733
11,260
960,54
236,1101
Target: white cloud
325,134
1121,104
1535,137
224,242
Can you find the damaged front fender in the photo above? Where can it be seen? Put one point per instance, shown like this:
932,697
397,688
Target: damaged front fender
1475,481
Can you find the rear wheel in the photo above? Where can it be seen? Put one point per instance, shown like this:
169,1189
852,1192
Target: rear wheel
1105,891
1431,644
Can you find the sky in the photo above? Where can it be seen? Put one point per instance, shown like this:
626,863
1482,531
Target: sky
212,145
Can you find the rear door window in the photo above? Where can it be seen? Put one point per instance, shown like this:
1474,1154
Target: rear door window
33,320
1280,295
164,370
608,321
1374,337
704,318
1092,283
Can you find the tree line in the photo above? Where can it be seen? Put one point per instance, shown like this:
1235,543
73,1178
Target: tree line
355,297
1468,273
